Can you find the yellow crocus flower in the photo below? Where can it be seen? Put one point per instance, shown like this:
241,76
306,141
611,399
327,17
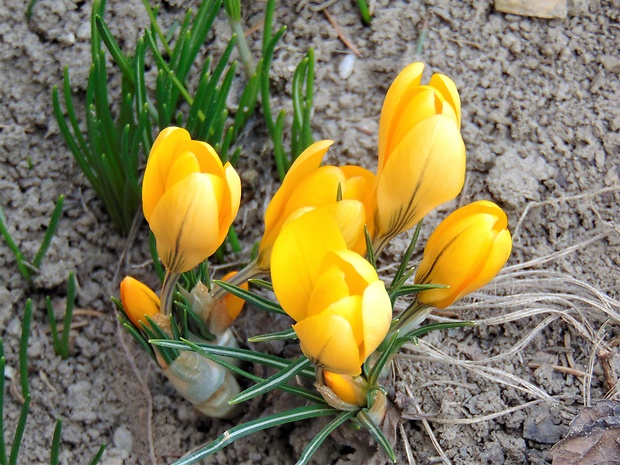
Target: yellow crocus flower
350,390
189,199
306,186
226,309
465,252
342,309
138,300
421,151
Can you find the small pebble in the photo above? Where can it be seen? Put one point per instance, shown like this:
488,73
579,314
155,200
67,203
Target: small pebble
346,66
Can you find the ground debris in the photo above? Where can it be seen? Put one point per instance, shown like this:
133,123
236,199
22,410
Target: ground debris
593,437
539,8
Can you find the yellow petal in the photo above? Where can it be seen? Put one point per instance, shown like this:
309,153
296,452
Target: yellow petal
185,222
350,215
465,252
396,98
376,317
162,156
230,200
423,104
425,170
349,389
328,341
296,258
448,89
306,163
234,304
358,272
138,300
330,287
280,206
184,165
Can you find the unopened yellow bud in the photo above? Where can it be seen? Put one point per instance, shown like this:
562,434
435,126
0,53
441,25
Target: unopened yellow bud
138,300
189,199
351,390
465,252
421,151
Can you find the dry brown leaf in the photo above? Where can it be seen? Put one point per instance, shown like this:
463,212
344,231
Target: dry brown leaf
593,439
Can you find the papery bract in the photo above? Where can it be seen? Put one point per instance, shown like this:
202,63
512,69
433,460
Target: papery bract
342,309
465,252
138,300
306,186
421,151
189,199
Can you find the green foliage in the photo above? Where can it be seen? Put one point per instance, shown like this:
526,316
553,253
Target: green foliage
26,395
61,344
27,269
109,151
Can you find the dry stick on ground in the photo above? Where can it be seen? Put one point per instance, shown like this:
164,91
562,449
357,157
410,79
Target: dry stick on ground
345,40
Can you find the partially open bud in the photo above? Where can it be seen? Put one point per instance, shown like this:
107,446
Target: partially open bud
138,301
343,392
219,313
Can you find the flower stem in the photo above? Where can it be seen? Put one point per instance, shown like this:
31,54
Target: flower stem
167,292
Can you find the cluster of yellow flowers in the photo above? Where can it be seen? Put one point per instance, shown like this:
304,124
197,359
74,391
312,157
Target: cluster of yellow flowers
317,227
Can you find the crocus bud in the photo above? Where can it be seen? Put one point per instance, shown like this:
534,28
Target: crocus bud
343,392
138,300
342,309
465,252
227,309
421,151
306,186
189,199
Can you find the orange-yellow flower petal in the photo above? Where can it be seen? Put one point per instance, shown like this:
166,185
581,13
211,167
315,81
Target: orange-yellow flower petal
138,300
464,252
179,173
425,170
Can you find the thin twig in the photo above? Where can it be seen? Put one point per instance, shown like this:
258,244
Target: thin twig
341,35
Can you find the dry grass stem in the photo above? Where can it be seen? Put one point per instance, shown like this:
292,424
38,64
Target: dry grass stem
532,205
428,429
469,421
408,451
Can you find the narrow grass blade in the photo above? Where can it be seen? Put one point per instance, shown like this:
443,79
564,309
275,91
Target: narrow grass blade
55,453
49,233
370,252
285,335
272,382
245,429
97,458
244,355
51,318
261,283
2,443
386,353
23,374
251,298
66,329
413,335
19,257
117,54
366,421
405,260
364,11
19,431
316,442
